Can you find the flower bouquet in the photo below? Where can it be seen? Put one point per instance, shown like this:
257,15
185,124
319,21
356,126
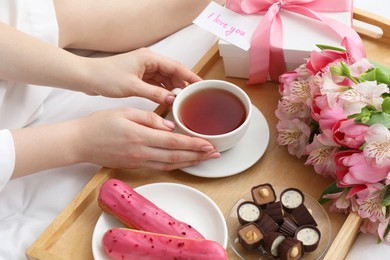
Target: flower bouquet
335,109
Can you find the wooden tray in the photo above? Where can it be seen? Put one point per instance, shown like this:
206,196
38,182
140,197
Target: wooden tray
69,236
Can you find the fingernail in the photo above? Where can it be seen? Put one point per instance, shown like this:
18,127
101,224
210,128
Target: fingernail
207,148
169,100
169,124
214,155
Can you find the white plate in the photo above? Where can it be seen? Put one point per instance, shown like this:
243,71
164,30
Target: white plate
182,202
239,158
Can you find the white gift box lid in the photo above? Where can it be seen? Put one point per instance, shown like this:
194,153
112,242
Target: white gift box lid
300,36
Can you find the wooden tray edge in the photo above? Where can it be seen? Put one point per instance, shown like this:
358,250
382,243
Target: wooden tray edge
345,238
374,20
37,249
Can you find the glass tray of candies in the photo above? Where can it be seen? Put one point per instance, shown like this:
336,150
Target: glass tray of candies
273,222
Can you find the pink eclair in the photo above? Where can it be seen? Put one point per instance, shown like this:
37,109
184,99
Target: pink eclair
121,244
135,211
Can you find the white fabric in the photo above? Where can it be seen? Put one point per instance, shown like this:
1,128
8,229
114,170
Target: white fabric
7,157
36,18
21,104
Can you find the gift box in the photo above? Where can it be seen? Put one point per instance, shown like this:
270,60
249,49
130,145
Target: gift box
300,33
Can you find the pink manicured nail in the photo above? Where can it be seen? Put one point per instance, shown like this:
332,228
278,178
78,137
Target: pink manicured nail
215,155
169,124
207,148
169,100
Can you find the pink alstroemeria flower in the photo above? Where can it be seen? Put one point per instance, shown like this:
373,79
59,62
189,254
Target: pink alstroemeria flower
359,67
349,134
369,227
378,144
287,78
331,89
295,134
341,204
324,114
369,201
290,110
353,168
367,93
321,154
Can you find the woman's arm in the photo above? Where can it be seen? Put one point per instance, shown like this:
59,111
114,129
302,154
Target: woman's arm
29,60
122,25
119,138
137,73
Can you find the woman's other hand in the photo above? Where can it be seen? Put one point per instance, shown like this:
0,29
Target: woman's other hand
140,73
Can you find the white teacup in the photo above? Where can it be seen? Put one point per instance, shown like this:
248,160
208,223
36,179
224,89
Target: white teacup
191,111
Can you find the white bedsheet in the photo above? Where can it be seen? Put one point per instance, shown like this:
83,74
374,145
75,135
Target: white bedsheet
29,204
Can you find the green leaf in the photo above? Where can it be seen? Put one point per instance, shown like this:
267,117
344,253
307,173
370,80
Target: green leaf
363,116
332,188
378,74
381,118
386,198
382,76
387,231
327,47
386,105
370,75
382,67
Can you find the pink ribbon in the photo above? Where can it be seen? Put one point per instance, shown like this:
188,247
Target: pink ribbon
266,52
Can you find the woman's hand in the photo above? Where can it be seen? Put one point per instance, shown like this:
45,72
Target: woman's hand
119,138
130,138
138,73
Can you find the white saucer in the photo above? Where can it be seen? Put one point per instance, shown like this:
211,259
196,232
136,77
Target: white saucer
180,201
239,158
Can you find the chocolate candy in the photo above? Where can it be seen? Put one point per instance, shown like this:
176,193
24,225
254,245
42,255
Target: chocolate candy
263,194
302,216
291,198
250,236
288,228
275,211
309,236
271,243
290,249
248,212
267,224
284,228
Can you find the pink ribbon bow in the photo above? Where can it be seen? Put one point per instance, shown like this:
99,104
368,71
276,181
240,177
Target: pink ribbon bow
266,52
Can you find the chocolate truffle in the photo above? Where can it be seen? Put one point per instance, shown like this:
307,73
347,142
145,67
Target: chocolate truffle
290,249
267,224
248,212
250,236
309,236
302,216
288,228
271,243
291,198
263,194
275,211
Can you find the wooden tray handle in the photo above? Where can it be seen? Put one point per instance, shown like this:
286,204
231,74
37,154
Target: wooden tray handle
375,20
